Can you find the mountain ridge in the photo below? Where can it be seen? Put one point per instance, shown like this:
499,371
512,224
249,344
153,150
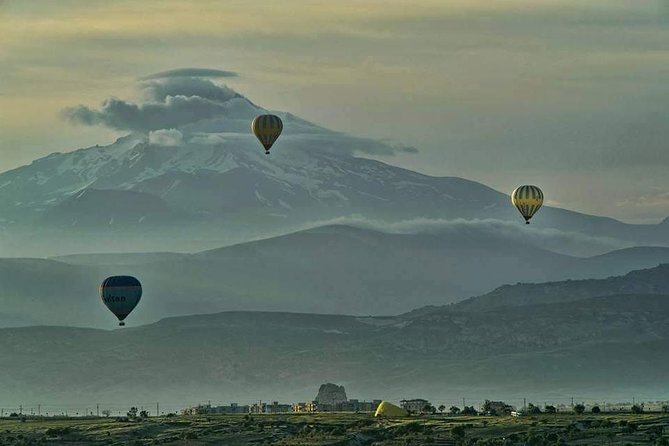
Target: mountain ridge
646,281
331,269
563,349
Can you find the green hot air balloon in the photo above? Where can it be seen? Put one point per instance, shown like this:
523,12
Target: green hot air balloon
121,294
267,129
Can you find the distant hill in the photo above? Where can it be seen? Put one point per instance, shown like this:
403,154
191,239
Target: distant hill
332,269
649,281
607,347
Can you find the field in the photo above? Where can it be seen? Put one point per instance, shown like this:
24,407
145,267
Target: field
341,429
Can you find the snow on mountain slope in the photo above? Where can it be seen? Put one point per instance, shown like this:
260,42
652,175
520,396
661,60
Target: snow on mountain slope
214,173
218,168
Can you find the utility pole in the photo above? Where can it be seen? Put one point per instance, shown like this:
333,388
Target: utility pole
97,410
572,402
524,404
21,409
39,410
157,409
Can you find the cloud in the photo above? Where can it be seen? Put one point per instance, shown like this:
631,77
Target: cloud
121,115
170,103
190,72
650,207
206,139
166,138
159,91
198,106
652,200
563,242
399,148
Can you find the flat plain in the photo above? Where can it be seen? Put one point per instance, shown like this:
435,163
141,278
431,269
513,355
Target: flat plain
341,429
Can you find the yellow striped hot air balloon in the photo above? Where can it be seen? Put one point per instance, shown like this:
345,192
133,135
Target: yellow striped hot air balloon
267,129
527,199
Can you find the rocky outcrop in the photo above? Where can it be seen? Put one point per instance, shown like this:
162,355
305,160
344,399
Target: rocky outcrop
331,393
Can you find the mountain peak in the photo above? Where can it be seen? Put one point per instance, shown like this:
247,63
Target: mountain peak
189,146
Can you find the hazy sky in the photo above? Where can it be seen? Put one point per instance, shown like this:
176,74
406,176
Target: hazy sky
568,94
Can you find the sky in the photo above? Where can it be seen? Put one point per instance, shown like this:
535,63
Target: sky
567,94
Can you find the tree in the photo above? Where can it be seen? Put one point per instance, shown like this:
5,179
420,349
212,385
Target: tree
469,410
596,409
132,413
144,414
442,408
532,409
106,412
428,409
637,409
496,408
550,409
454,410
579,409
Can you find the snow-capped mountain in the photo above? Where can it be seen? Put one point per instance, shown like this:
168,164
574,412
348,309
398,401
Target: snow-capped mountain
210,176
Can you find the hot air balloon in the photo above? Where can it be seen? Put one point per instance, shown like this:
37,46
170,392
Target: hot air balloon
121,295
389,410
527,199
267,129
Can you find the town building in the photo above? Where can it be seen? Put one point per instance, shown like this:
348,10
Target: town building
309,407
207,409
354,405
232,408
275,407
416,405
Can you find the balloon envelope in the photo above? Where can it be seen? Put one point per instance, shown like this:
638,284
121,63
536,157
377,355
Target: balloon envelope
527,199
267,129
121,294
389,410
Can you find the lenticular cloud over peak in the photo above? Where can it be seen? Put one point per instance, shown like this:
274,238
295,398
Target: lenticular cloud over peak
190,72
159,90
189,101
169,102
